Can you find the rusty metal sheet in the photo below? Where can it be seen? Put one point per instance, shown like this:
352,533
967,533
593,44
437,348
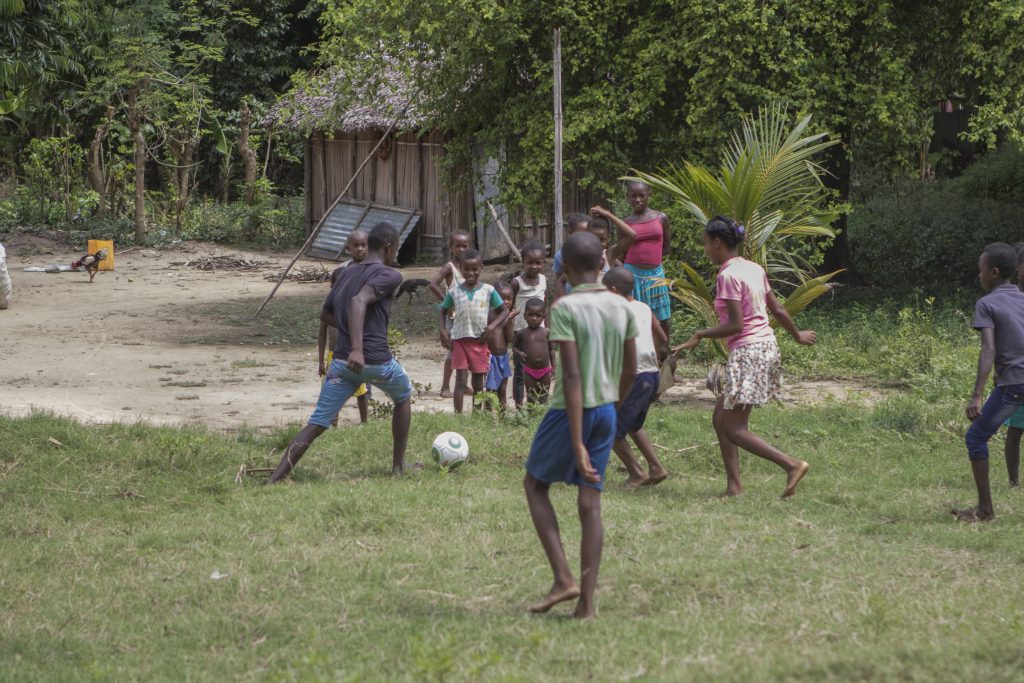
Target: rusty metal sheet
352,214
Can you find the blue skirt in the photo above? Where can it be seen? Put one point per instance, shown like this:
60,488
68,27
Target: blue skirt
646,288
551,457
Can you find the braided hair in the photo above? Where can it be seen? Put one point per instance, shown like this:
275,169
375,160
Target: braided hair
728,231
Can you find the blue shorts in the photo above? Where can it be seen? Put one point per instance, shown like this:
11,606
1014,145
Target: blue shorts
1017,419
340,384
647,288
498,372
551,458
633,411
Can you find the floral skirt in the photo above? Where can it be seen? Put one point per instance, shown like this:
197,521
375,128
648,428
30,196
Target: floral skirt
753,375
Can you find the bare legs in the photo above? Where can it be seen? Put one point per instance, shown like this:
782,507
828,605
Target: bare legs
446,378
296,449
364,408
733,432
1013,437
400,420
637,476
461,388
545,521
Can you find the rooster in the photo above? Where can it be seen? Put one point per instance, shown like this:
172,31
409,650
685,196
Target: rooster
91,262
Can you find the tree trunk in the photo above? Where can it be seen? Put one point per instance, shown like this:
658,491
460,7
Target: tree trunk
182,178
96,172
837,164
248,155
135,126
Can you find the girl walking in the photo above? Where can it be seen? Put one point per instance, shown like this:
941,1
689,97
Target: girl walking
753,373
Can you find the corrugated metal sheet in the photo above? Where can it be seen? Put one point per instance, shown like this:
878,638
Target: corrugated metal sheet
350,215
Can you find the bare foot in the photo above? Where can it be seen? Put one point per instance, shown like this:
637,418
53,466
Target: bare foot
446,392
973,515
731,493
794,478
656,477
636,482
557,595
583,613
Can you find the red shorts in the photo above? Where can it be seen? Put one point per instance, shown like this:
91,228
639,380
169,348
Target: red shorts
471,354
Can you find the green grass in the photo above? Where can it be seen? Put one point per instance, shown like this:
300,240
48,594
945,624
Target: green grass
110,541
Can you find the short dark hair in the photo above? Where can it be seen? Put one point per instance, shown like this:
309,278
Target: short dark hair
381,235
533,245
503,284
582,252
725,229
638,183
1002,257
620,278
574,219
457,233
534,304
600,223
470,254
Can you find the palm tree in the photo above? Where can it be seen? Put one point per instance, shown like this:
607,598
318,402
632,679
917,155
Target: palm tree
770,183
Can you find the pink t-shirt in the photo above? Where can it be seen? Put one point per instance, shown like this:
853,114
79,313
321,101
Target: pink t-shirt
744,281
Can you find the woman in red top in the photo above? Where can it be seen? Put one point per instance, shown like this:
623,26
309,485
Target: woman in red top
650,248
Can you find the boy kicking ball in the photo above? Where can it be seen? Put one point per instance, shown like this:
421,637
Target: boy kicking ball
595,333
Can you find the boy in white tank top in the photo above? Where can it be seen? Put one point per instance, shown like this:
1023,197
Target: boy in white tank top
531,284
448,276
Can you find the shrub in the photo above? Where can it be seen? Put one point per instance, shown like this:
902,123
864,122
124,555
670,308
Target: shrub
998,175
899,414
924,235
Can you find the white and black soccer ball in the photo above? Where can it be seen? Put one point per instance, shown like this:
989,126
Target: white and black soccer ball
450,450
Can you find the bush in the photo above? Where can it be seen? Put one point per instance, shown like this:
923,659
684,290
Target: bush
924,235
998,175
273,221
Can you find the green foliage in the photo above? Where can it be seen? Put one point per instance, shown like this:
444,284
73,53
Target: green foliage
997,175
272,221
52,172
928,234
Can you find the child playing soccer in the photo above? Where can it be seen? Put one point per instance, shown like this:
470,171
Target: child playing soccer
1015,423
327,339
999,317
651,345
531,284
449,275
535,350
753,373
595,333
359,306
470,301
500,369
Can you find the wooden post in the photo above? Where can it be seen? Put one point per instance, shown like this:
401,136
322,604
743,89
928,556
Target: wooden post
559,235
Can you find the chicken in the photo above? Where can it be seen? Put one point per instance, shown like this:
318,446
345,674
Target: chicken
91,262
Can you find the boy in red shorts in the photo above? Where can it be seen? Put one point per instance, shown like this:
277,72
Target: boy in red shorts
472,301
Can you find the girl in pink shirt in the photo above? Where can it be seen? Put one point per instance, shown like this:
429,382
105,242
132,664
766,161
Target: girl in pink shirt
753,373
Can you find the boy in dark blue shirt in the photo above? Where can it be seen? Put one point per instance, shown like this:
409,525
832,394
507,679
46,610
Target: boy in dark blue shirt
999,317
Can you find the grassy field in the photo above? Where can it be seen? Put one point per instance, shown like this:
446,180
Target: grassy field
129,553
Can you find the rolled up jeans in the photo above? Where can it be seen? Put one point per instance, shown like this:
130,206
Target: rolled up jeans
1001,404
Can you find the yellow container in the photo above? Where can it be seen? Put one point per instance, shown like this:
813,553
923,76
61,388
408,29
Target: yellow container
96,245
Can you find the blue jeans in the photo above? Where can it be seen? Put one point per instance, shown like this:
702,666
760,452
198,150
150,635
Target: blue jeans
341,383
1001,404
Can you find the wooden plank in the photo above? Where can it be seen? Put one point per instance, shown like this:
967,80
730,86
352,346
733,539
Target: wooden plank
558,137
323,169
308,182
422,202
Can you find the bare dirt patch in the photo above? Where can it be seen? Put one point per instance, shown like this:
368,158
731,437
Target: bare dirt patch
170,344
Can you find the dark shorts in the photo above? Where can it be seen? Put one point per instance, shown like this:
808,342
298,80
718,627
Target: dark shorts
499,371
1002,403
633,411
551,458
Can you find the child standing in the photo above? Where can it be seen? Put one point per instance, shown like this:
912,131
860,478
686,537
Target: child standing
1015,423
470,302
530,285
449,275
535,351
651,345
999,317
359,306
327,339
574,222
600,225
646,255
500,369
595,333
753,373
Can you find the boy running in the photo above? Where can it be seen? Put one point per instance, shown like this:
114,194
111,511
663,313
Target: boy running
999,317
595,332
449,275
651,344
470,303
359,305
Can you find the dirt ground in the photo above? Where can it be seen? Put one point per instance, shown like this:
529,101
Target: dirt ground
169,344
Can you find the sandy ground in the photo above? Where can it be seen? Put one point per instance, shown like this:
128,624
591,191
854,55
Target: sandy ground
142,343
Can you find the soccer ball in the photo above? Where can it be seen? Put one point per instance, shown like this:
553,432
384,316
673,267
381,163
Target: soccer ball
450,450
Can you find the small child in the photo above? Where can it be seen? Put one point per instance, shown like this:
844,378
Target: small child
574,222
449,275
531,284
1015,423
600,226
327,339
999,316
651,345
500,369
536,352
595,332
470,332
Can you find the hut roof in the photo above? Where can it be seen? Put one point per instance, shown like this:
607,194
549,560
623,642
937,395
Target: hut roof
332,101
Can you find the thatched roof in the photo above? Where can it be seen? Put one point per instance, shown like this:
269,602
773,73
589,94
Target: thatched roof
332,102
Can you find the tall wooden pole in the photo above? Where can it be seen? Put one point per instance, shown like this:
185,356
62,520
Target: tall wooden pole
559,232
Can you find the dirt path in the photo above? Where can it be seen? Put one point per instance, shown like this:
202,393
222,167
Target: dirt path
169,344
